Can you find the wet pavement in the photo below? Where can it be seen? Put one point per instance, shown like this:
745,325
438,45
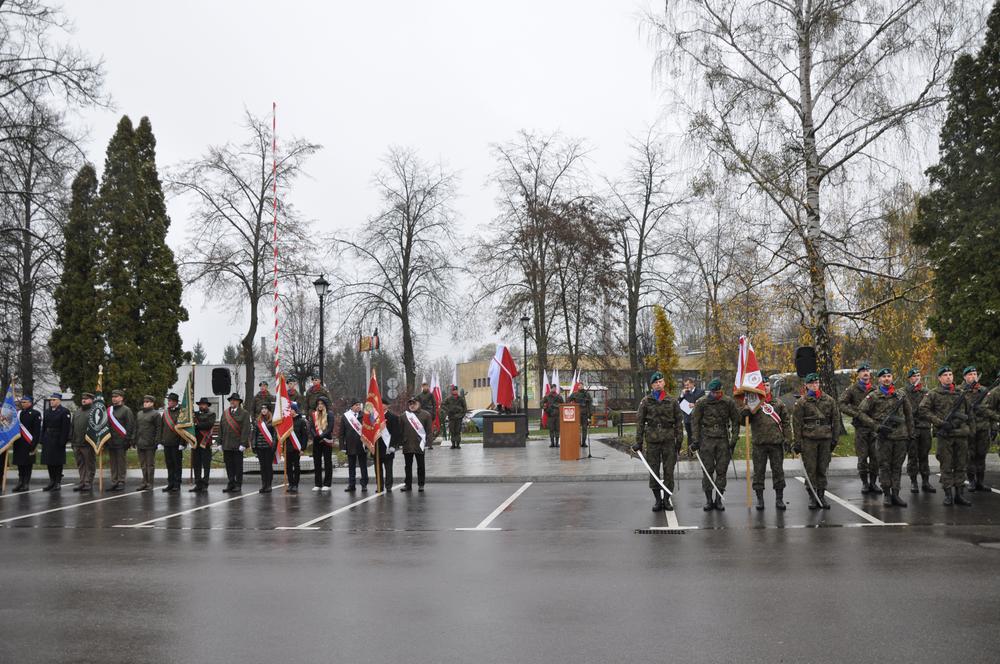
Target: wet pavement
496,572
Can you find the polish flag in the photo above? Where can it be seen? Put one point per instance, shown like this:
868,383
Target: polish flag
436,391
283,418
373,417
545,392
748,377
502,373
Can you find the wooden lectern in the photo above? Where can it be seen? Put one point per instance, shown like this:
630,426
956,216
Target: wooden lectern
569,432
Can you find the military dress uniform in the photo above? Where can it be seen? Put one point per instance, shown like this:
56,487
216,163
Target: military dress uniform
173,446
659,431
550,404
920,445
121,440
952,436
888,413
979,433
427,403
816,430
864,437
453,408
771,437
262,398
147,437
201,452
83,452
582,398
235,432
56,428
715,425
313,395
23,451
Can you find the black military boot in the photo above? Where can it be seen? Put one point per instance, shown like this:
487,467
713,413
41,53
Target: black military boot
49,486
719,505
873,483
887,498
947,498
813,503
709,503
822,499
779,499
896,500
980,476
960,499
914,487
760,500
658,501
972,481
925,486
865,487
667,505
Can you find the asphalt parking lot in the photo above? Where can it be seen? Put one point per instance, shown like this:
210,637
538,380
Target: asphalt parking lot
496,572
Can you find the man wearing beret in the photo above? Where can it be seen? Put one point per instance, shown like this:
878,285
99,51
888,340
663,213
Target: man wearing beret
771,434
715,425
262,397
864,437
948,410
24,447
979,429
235,431
816,426
659,430
147,437
56,427
920,444
121,421
83,452
888,413
201,452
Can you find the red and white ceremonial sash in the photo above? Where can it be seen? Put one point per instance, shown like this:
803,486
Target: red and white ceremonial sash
231,421
295,439
418,427
25,434
264,432
769,410
352,419
115,424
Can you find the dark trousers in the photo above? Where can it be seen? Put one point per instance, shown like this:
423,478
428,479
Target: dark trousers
234,466
55,474
323,464
265,455
353,461
24,474
173,456
202,460
687,428
866,449
916,455
554,430
584,428
979,445
408,456
386,460
292,468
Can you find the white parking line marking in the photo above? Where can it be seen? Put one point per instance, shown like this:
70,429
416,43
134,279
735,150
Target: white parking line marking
25,493
311,525
872,521
483,525
149,524
69,507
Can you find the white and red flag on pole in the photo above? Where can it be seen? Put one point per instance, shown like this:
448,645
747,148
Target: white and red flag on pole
545,392
502,373
749,380
436,392
373,424
284,418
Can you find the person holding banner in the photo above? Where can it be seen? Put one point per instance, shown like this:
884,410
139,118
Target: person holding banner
350,442
83,452
294,444
416,432
715,425
201,451
234,436
816,428
659,430
147,437
321,430
121,421
265,441
30,421
56,426
771,434
173,443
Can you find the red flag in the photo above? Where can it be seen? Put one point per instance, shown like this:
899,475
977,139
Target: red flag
436,391
502,373
283,418
373,418
545,392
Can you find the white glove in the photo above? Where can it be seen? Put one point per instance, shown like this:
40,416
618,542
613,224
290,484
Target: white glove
391,450
159,447
242,449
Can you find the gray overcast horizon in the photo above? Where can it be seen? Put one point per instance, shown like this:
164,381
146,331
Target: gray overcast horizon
445,77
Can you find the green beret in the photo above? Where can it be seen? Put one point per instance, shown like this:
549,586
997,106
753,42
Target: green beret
864,366
943,369
969,369
714,385
655,376
884,371
812,378
913,372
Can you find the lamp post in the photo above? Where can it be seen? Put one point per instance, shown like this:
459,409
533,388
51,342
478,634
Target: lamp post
524,326
321,285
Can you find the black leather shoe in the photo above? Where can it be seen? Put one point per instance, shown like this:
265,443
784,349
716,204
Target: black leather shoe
57,487
405,487
349,489
78,487
420,488
167,489
48,487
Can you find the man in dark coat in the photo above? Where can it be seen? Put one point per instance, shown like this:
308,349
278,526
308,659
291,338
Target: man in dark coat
351,442
691,394
300,430
201,451
416,436
235,433
55,433
387,454
173,443
25,446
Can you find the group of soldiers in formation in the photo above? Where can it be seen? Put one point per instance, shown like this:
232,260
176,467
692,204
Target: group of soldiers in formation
890,425
550,407
237,431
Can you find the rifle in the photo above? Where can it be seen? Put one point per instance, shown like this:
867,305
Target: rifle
972,406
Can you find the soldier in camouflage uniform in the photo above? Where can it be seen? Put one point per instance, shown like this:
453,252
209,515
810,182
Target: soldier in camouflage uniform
864,438
992,405
771,435
715,425
920,444
948,410
659,431
888,412
816,425
453,408
428,403
979,429
550,404
582,397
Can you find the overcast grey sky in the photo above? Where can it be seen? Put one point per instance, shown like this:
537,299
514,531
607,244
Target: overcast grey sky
446,77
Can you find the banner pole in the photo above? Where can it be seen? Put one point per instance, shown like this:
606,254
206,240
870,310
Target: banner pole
100,471
6,460
747,426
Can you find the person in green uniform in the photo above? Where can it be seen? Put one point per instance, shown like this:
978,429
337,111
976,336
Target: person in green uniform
887,412
550,404
715,425
83,452
453,408
659,431
427,403
147,437
979,429
201,451
948,410
771,438
920,444
864,438
314,394
816,429
121,421
581,397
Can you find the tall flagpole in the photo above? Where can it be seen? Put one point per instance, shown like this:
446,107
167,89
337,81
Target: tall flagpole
274,196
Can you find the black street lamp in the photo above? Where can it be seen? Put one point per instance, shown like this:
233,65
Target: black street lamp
322,286
524,326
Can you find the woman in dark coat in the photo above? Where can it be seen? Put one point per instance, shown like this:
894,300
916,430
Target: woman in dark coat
56,428
265,441
321,432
